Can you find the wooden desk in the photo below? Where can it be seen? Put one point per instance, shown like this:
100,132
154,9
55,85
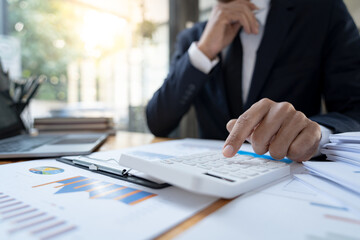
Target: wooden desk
128,139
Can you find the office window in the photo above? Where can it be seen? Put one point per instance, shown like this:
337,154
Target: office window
110,53
205,7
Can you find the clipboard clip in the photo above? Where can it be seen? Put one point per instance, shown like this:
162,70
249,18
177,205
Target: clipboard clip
93,167
118,173
126,172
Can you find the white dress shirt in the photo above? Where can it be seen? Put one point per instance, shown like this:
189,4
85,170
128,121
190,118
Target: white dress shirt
250,44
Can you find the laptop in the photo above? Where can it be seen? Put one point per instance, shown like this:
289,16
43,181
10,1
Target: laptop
15,143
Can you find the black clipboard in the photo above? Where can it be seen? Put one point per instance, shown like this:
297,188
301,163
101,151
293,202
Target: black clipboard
122,175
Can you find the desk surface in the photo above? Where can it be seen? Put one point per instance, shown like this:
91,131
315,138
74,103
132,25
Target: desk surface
128,139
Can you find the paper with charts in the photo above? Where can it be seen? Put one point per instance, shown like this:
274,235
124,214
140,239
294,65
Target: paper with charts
283,211
46,199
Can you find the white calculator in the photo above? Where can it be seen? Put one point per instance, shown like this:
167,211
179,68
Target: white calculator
210,173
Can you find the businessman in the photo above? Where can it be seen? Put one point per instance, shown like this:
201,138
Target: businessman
257,71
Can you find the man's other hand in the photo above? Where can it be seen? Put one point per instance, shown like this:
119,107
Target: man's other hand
224,23
274,127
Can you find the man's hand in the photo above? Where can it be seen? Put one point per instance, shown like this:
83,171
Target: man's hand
274,127
224,23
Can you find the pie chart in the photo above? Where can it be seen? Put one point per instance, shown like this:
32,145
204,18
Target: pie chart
46,170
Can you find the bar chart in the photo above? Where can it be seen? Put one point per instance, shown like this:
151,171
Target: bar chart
100,190
22,218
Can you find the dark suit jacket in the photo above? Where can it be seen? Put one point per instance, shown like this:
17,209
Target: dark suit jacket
310,49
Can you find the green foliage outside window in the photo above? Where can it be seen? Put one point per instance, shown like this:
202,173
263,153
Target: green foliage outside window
45,29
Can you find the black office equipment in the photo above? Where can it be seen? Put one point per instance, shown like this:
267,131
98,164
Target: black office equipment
122,174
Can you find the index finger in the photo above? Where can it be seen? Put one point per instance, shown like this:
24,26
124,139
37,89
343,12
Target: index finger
244,126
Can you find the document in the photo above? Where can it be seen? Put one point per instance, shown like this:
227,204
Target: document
347,137
287,210
342,159
342,173
354,156
347,147
46,199
344,147
344,196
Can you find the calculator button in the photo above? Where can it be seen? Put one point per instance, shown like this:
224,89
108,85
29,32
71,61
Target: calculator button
204,167
260,169
220,170
249,172
191,163
239,175
166,161
176,159
273,165
259,160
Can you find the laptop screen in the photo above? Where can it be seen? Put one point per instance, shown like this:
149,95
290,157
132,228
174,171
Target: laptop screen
10,123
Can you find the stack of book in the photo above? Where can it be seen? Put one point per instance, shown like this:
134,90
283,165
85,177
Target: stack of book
75,124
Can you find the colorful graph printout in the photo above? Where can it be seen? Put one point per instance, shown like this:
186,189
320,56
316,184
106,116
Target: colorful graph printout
100,190
46,170
21,217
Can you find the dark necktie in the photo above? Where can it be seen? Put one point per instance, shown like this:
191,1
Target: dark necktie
232,76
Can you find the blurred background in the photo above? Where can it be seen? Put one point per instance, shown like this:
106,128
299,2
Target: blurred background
109,56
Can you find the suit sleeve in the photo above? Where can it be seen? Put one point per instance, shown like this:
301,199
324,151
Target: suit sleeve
179,90
341,82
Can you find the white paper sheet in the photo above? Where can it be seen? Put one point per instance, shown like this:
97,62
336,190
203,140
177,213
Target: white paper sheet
351,155
343,195
288,210
342,173
347,147
353,137
91,206
342,159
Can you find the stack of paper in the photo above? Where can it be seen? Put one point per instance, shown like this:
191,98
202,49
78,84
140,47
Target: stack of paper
343,147
342,172
346,175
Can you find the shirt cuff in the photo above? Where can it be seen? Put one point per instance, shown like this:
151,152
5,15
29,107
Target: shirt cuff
199,60
325,133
